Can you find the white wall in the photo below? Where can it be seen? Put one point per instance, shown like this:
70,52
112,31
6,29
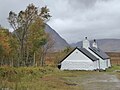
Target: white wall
77,55
78,61
109,64
68,65
102,63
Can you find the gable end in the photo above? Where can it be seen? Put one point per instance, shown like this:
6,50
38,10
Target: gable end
84,51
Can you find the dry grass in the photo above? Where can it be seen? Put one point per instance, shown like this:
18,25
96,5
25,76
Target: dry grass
34,78
50,78
115,57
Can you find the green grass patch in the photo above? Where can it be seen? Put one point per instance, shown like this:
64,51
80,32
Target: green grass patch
114,68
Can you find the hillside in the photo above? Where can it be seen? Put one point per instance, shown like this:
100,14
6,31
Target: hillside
107,45
59,42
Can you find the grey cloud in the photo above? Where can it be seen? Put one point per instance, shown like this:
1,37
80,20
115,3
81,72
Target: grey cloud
95,19
75,19
13,5
80,4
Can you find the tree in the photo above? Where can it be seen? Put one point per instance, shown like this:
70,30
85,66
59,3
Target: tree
1,54
47,48
67,49
5,48
36,39
22,22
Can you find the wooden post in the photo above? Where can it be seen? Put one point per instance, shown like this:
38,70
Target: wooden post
34,62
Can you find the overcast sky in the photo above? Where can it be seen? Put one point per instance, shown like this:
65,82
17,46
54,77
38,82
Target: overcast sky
74,19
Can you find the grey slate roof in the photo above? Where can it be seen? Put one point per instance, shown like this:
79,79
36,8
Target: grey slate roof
99,52
88,54
85,52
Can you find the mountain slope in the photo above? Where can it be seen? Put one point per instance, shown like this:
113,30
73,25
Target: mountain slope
59,42
107,45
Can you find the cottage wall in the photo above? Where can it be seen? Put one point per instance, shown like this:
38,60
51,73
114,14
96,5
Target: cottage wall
109,64
78,61
102,63
80,65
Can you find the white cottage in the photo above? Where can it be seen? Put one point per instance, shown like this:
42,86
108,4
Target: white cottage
86,58
104,61
79,59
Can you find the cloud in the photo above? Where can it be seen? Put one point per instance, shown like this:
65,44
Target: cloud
93,18
74,19
82,4
14,5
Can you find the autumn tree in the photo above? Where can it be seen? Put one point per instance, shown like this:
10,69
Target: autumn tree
5,48
36,38
21,24
47,47
14,50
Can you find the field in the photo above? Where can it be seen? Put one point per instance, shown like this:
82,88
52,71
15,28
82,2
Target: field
51,78
115,57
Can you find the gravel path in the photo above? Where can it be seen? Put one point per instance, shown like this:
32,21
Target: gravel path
102,81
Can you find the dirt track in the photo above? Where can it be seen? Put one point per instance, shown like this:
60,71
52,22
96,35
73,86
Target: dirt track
102,81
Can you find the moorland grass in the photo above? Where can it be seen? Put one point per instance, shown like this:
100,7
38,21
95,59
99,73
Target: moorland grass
46,78
35,78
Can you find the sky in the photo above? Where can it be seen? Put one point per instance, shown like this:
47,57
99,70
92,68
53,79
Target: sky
73,19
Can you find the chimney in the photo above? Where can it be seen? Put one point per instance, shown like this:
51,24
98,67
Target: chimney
86,43
94,44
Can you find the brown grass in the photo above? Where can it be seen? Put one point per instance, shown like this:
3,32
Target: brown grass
115,58
50,78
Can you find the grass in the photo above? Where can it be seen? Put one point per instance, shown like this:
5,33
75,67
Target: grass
34,78
46,78
114,68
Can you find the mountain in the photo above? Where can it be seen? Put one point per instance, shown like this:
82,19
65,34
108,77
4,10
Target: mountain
59,42
107,45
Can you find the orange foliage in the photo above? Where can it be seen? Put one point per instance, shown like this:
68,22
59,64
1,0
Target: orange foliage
5,40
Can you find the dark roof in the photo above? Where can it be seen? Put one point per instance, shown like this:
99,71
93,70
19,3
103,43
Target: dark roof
99,52
85,52
88,54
